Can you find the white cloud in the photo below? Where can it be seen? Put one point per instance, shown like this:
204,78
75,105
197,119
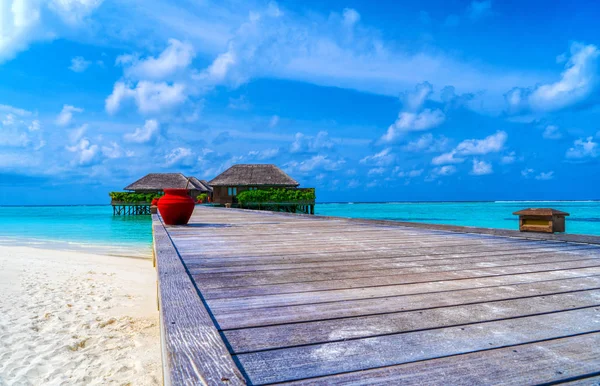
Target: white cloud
19,129
328,53
516,99
13,137
19,22
583,148
240,103
481,168
375,172
527,172
74,11
79,64
544,176
115,151
308,144
414,100
23,22
409,121
76,134
87,154
66,115
264,154
490,144
350,17
177,56
274,121
577,83
509,158
447,158
145,134
317,162
8,120
427,143
551,132
14,110
479,9
181,156
444,170
383,158
34,125
220,67
411,173
149,97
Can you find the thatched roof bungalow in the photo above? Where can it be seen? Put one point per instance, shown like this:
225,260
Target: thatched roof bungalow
248,177
156,182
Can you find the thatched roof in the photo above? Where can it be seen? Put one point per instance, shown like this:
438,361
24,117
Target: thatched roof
201,184
253,175
160,181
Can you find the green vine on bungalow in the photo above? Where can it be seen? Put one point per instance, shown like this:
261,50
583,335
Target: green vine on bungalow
131,197
276,195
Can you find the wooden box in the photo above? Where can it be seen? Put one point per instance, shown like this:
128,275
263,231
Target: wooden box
544,220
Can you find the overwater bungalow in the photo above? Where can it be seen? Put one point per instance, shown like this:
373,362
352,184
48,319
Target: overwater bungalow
227,185
156,182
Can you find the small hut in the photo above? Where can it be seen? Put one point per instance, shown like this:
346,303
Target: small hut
156,182
227,185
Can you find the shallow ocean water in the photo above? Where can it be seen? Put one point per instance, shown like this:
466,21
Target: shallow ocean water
95,229
92,228
584,215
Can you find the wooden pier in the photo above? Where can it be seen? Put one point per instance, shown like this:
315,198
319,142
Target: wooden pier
251,297
130,209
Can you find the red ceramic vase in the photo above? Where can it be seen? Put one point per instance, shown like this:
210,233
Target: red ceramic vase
176,207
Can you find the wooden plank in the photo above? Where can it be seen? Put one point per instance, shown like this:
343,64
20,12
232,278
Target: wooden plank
323,331
293,241
547,362
333,358
388,280
204,266
193,351
197,250
315,297
201,212
232,318
291,261
264,277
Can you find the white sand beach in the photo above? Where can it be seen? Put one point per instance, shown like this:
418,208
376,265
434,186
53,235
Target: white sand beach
77,318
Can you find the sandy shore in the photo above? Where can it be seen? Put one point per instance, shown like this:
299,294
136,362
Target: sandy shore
77,318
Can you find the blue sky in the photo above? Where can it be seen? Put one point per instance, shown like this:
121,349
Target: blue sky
366,101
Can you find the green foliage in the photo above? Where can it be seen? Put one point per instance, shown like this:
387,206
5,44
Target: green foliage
133,197
276,195
202,197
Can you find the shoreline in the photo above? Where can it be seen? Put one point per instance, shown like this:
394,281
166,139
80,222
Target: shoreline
77,317
135,251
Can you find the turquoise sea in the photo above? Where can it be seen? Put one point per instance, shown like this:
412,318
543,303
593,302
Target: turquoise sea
91,228
95,229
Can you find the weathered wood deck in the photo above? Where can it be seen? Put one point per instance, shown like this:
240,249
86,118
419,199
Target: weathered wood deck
262,298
